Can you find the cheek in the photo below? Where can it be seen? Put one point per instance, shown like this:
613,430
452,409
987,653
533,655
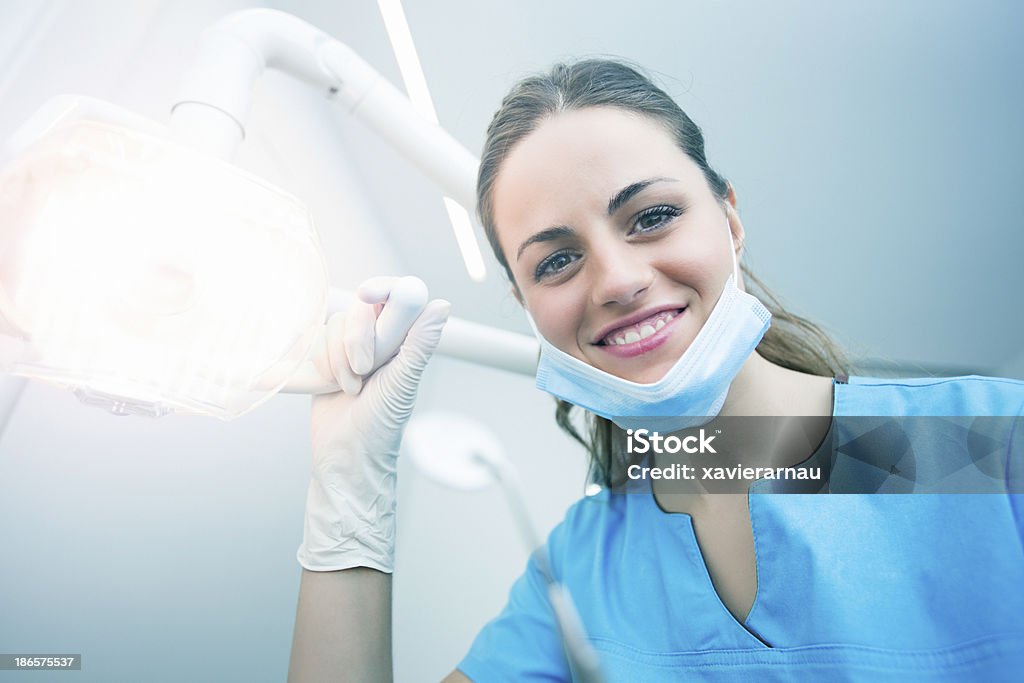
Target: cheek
702,265
557,314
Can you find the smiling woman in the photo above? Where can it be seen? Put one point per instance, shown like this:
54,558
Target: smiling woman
624,246
622,243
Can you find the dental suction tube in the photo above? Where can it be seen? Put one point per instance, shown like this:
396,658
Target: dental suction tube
584,664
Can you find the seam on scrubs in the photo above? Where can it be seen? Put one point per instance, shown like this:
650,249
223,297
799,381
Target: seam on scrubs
757,574
946,658
1015,496
839,398
1009,446
929,382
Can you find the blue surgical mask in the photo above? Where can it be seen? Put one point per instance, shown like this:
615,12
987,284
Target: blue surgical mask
693,390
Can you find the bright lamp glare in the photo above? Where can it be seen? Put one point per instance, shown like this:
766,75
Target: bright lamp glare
408,60
466,240
419,94
145,271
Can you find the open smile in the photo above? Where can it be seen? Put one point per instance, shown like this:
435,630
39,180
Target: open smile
642,336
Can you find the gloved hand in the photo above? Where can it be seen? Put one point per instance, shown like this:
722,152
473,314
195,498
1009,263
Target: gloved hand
356,432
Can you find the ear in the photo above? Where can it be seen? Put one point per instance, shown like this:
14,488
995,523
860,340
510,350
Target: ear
735,224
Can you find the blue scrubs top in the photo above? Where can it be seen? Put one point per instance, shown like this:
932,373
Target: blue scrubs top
856,587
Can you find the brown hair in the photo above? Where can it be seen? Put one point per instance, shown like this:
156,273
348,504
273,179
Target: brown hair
792,341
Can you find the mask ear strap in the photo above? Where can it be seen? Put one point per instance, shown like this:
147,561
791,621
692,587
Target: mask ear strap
533,325
732,251
536,332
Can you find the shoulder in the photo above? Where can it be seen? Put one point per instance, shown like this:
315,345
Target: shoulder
938,396
590,523
590,516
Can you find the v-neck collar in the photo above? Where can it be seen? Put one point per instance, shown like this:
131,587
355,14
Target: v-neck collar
648,506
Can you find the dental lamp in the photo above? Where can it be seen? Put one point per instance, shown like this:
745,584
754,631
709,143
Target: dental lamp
144,271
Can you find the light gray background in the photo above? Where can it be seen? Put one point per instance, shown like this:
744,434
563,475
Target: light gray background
877,151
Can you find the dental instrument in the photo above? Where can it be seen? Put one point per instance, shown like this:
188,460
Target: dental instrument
460,453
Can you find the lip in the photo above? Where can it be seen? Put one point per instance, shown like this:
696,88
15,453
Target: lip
648,343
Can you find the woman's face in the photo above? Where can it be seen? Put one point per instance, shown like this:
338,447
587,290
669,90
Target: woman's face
618,247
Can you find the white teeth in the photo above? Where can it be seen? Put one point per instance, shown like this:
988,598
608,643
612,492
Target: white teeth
635,334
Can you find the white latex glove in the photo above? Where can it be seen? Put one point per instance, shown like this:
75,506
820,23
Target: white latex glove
356,432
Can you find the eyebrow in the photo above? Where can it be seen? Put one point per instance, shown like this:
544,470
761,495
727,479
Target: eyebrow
614,204
551,234
630,191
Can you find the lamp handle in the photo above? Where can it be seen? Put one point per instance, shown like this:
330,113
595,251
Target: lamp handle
462,339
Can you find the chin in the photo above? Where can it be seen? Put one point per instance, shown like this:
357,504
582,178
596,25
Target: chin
648,375
652,376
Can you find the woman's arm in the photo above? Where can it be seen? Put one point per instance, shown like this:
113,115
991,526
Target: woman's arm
342,627
375,353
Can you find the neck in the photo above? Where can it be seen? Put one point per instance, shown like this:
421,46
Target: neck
762,388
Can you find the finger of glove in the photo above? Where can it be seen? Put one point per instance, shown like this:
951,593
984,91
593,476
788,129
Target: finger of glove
404,373
375,290
358,337
340,367
403,304
425,334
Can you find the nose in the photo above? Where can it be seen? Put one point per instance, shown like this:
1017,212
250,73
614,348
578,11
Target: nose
620,273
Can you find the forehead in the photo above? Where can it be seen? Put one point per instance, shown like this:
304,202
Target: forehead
573,163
